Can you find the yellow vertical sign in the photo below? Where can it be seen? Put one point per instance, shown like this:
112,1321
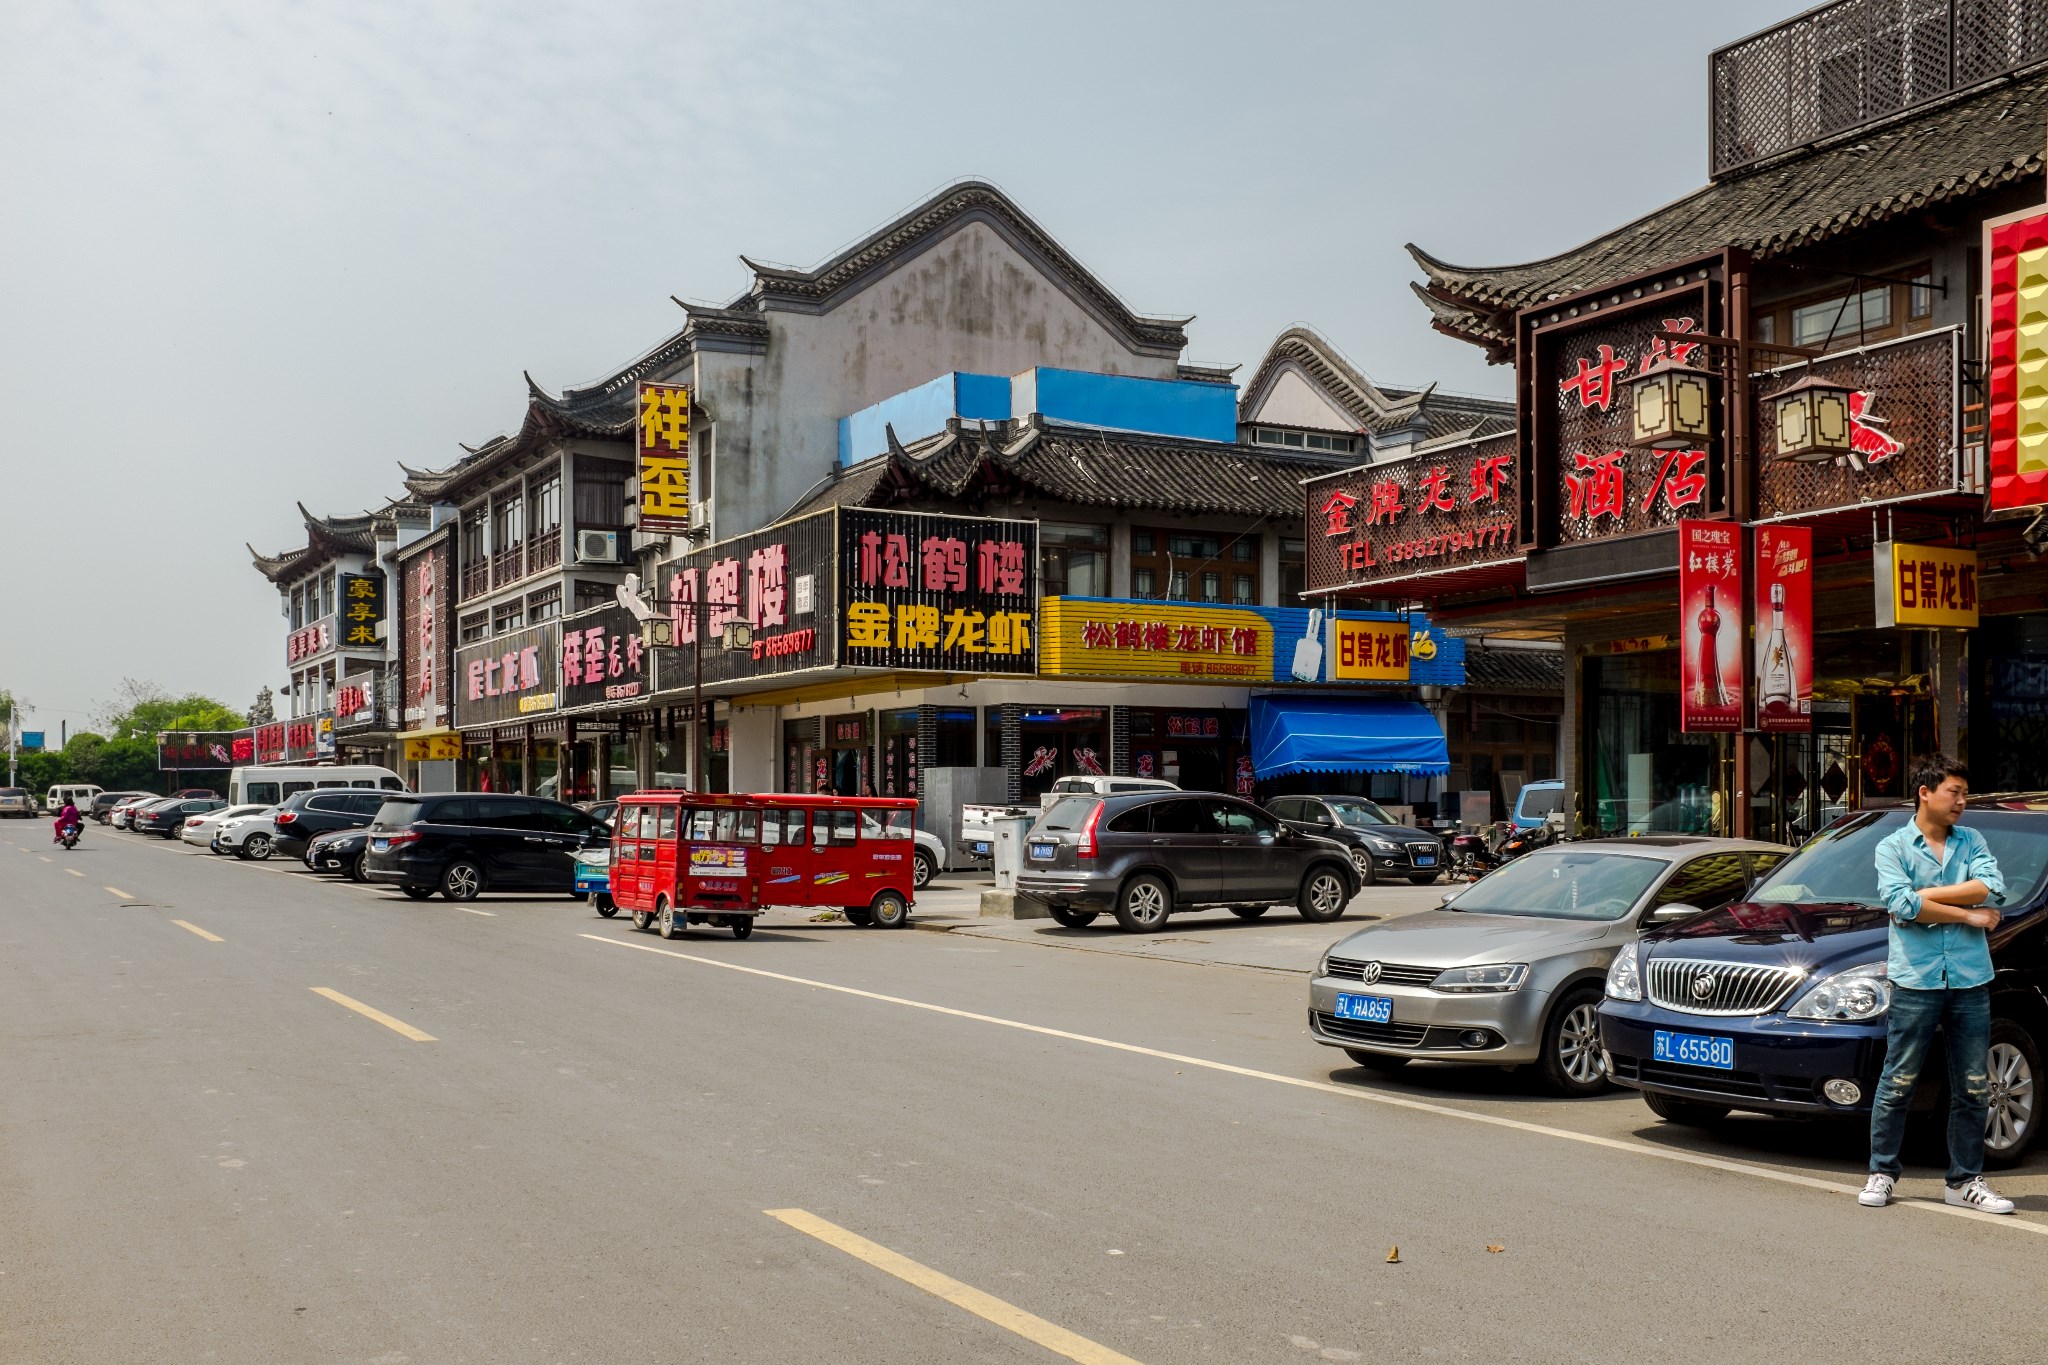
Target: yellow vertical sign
664,447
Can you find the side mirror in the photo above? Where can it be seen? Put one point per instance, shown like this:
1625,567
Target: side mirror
1449,896
1669,914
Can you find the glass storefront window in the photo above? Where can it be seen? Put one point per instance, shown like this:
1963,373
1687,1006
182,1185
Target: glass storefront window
956,738
1642,775
1063,741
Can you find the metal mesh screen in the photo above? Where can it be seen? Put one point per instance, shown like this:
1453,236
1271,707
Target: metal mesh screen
1856,61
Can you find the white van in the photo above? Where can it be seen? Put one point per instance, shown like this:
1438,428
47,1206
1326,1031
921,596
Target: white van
268,786
79,794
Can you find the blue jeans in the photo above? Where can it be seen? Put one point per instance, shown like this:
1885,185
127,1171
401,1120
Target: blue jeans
1964,1018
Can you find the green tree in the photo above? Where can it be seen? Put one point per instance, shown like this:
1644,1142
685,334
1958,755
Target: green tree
40,771
143,711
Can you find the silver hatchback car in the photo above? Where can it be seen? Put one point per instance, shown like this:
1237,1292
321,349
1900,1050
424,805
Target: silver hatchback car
1510,970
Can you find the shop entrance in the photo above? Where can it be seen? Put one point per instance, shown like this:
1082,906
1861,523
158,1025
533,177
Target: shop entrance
1198,750
1642,775
847,754
1063,741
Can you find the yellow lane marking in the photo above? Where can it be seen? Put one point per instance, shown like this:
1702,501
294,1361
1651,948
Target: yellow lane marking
74,872
395,1025
117,891
210,938
1007,1316
492,914
1355,1093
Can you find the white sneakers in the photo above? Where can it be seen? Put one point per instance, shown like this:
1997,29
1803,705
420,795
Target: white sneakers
1877,1192
1975,1195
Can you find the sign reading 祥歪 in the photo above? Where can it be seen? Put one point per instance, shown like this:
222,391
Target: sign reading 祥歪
664,464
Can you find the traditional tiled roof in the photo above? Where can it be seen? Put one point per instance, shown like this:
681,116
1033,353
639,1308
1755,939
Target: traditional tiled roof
1083,466
952,208
1374,407
1513,670
326,538
1953,149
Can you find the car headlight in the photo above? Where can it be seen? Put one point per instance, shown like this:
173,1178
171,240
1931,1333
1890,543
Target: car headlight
1625,977
1379,845
1323,962
1859,993
1498,976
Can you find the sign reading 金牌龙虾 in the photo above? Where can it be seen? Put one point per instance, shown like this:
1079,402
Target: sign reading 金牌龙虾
1925,585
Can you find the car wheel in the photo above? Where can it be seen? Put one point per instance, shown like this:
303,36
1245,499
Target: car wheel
1073,919
1323,894
742,926
604,904
1362,860
1143,905
1689,1112
859,915
665,922
1572,1063
417,893
358,868
1375,1061
889,910
923,869
641,919
169,832
462,880
258,847
1249,911
2015,1065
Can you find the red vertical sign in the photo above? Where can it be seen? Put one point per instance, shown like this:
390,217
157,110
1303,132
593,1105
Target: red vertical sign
1784,628
1710,626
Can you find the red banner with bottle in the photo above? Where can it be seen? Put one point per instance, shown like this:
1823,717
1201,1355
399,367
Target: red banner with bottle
1710,626
1784,628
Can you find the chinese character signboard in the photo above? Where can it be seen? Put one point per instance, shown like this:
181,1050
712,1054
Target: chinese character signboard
938,593
307,641
356,700
1784,628
2016,346
1101,637
1903,428
185,749
1925,585
769,580
362,609
301,740
1709,626
1453,508
664,470
1597,486
602,659
511,676
426,602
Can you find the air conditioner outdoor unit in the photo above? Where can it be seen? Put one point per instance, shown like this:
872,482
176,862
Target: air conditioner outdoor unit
597,547
700,516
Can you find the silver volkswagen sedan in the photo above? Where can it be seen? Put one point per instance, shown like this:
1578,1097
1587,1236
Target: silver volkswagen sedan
1510,970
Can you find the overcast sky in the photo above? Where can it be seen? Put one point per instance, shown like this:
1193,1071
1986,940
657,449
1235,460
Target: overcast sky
255,254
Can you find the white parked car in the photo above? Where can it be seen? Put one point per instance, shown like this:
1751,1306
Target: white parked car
252,837
118,818
203,830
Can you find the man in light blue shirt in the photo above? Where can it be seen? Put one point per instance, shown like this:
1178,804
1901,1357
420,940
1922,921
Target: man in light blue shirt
1935,877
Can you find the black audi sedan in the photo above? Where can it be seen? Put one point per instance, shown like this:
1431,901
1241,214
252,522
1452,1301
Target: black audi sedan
1776,1004
1379,845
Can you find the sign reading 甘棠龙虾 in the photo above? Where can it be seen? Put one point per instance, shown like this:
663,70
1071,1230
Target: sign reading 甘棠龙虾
1452,508
664,467
362,609
1709,626
1370,651
1925,585
937,593
1784,628
509,676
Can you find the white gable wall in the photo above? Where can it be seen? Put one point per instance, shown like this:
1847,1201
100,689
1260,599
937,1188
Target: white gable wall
1295,400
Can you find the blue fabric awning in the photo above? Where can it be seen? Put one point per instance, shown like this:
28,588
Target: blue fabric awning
1345,735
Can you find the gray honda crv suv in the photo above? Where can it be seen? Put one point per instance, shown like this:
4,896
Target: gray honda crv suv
1142,857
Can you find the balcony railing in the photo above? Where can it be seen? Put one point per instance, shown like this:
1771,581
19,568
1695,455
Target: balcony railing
508,565
544,551
476,579
1856,61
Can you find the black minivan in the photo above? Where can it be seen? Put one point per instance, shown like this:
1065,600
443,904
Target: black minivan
465,843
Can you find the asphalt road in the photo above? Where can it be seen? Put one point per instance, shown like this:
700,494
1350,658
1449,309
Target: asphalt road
976,1150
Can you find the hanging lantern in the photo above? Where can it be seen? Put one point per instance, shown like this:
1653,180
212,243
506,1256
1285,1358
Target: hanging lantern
1671,406
1813,420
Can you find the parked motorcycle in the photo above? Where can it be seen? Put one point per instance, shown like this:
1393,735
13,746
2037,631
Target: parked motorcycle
1523,840
1477,853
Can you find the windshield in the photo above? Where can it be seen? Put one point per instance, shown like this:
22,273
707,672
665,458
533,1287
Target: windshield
1358,813
1563,884
1839,865
1537,802
395,815
1069,812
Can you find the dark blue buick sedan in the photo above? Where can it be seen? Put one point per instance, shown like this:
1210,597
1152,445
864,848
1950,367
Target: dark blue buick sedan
1776,1004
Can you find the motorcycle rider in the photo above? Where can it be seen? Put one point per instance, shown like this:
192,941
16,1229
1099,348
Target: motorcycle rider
67,818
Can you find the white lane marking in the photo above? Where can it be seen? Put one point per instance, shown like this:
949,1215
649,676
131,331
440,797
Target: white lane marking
74,872
1712,1163
467,911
